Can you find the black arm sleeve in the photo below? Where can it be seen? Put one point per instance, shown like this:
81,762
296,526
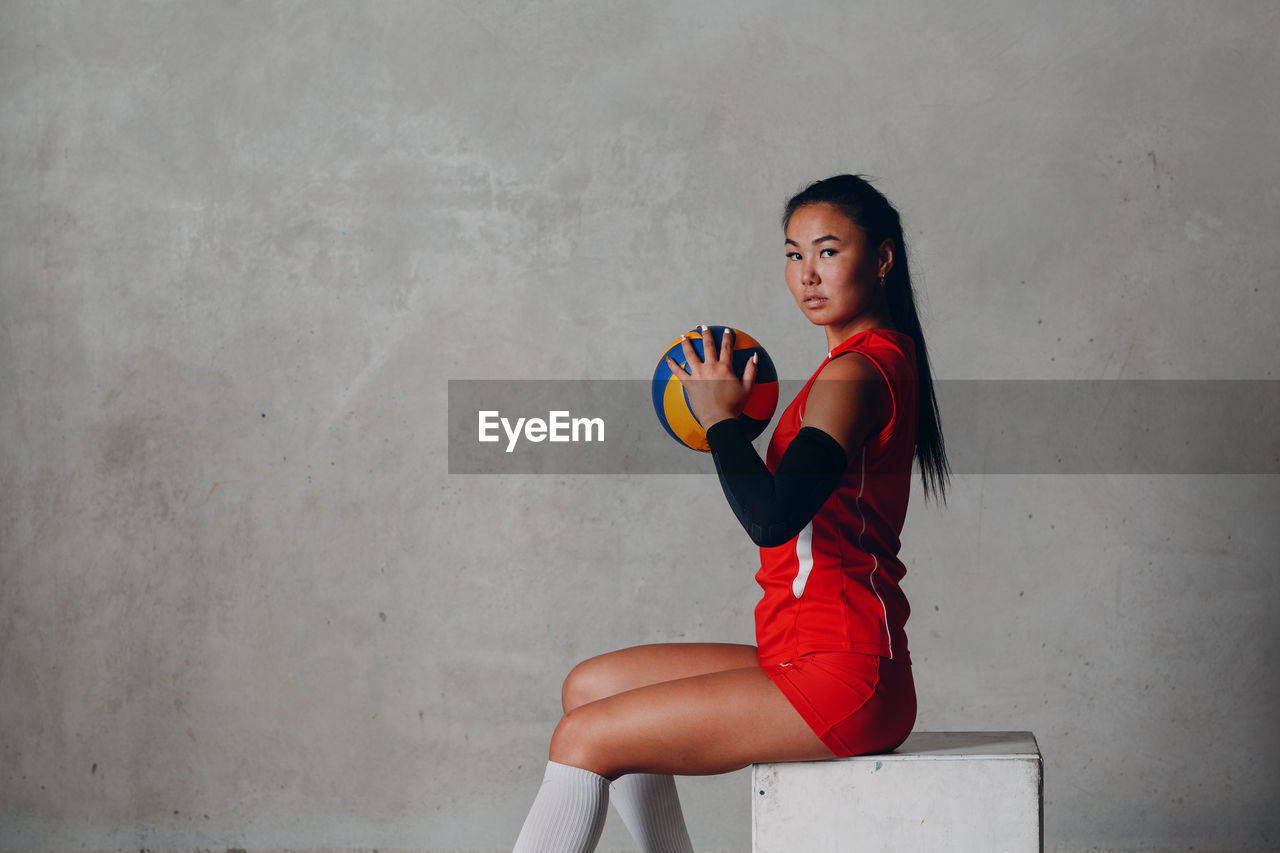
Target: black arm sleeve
773,507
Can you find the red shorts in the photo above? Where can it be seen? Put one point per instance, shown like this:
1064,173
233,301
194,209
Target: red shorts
856,703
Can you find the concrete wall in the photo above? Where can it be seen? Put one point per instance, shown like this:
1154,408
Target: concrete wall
243,247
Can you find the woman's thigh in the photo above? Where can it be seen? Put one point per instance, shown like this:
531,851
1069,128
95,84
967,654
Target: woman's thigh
710,723
640,666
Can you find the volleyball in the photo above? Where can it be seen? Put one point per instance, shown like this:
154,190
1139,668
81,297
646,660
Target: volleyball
672,405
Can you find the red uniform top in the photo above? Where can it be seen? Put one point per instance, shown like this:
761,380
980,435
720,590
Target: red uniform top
834,587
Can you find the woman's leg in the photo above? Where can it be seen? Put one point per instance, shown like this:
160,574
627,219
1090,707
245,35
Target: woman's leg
700,724
709,723
648,803
649,806
568,812
639,666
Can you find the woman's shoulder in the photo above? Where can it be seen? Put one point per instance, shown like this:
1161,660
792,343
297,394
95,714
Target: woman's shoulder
849,365
877,353
882,347
849,398
879,340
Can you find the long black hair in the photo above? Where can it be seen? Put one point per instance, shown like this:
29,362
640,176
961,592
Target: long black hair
867,208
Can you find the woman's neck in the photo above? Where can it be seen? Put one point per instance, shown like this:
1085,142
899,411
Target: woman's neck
836,335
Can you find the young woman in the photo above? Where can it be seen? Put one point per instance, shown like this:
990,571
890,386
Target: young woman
830,675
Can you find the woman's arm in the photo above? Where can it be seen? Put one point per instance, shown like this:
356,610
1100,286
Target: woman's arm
847,402
774,506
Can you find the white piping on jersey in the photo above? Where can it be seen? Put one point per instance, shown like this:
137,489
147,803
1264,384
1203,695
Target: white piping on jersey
875,561
804,559
804,539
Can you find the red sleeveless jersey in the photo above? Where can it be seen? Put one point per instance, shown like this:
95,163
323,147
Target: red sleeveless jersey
834,587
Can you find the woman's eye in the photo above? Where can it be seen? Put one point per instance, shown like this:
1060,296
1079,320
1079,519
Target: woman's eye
793,256
828,253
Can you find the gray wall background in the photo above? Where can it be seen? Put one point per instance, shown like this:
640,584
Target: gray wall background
244,247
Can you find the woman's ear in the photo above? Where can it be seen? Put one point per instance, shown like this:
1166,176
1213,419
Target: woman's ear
884,257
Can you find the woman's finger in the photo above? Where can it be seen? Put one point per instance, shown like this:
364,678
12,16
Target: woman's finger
726,350
690,354
749,373
676,370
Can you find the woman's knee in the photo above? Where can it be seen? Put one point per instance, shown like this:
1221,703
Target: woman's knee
577,741
586,682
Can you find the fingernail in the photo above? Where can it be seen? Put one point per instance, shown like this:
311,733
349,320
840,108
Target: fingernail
755,358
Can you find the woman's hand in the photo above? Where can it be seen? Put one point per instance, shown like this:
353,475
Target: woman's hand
715,392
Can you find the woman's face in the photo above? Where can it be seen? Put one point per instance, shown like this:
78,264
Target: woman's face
832,274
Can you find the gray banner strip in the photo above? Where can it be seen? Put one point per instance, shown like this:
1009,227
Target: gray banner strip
991,427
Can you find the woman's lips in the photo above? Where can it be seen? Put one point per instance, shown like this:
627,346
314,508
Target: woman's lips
814,301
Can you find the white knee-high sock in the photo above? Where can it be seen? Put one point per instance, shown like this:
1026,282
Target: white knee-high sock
650,807
568,814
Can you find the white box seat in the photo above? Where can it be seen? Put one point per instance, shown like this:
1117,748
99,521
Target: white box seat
939,791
